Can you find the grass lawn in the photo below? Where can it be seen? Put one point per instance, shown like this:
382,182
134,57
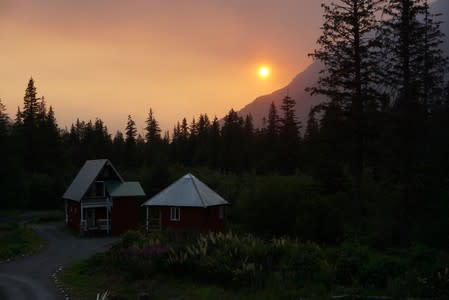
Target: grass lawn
10,213
18,239
49,217
83,280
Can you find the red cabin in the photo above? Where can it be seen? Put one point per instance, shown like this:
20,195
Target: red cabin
187,204
100,201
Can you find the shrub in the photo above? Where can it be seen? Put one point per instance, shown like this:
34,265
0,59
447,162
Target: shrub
351,260
249,261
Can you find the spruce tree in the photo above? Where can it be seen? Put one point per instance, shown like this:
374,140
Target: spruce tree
131,143
232,134
347,51
152,129
153,139
214,143
434,63
130,132
118,148
273,121
414,73
289,136
4,120
31,105
313,127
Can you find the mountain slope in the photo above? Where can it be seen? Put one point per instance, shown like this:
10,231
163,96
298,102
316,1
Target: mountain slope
295,89
259,107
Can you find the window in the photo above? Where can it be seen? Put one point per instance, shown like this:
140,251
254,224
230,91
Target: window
221,212
175,213
99,189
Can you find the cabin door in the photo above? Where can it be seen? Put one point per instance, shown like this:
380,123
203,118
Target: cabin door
90,217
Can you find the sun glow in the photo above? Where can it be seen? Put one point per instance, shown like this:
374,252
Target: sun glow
264,71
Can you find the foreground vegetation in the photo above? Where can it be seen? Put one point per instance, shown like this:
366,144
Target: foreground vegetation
231,266
17,239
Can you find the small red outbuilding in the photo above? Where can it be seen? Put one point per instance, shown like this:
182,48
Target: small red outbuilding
187,204
100,201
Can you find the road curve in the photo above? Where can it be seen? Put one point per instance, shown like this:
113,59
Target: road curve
30,277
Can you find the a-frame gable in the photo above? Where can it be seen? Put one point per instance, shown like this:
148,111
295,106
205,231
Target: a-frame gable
86,176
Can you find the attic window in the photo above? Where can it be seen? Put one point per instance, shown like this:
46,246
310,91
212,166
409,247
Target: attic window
97,190
175,213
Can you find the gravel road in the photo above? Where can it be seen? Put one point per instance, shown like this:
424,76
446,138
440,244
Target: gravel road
30,277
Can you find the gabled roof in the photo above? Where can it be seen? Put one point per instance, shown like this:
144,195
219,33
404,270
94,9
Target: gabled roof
124,189
88,173
187,191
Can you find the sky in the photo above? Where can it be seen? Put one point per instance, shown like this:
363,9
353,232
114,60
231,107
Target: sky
111,58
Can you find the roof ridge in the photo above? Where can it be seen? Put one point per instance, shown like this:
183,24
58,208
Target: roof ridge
197,190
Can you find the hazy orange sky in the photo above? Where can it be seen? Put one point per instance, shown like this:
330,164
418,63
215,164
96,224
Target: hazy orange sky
110,58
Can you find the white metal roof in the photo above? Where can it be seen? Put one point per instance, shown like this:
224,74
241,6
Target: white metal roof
88,173
187,191
124,189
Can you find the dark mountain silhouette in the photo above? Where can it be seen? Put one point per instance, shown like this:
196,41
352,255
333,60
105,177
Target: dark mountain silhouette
442,7
295,89
259,107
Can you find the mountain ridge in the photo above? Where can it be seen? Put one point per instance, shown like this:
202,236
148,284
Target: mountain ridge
258,108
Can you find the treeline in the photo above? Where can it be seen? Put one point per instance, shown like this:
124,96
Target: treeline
376,153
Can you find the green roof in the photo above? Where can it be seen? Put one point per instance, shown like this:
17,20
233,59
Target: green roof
124,189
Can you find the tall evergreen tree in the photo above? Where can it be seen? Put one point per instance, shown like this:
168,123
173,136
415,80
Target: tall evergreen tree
289,135
232,134
152,129
18,121
415,75
313,127
214,143
118,146
273,121
4,120
30,132
31,104
153,138
350,67
131,131
433,61
131,143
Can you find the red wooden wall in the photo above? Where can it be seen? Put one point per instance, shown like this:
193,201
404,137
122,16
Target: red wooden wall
73,215
194,218
125,214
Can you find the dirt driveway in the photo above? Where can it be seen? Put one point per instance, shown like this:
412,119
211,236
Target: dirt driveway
31,277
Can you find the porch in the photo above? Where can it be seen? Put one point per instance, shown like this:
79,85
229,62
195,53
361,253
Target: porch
98,224
153,220
96,215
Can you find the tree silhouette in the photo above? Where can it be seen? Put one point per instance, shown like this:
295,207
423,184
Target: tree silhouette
131,142
152,137
289,135
350,67
152,129
4,120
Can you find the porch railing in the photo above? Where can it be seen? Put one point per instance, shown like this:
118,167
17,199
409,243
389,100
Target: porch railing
154,224
96,202
100,224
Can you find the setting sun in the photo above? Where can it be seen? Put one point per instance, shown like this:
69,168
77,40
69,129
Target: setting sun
264,71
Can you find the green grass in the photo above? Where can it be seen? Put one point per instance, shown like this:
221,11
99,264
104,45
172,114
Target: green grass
17,240
83,280
50,217
10,213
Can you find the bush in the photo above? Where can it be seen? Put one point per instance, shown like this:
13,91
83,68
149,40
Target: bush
249,261
351,260
139,253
